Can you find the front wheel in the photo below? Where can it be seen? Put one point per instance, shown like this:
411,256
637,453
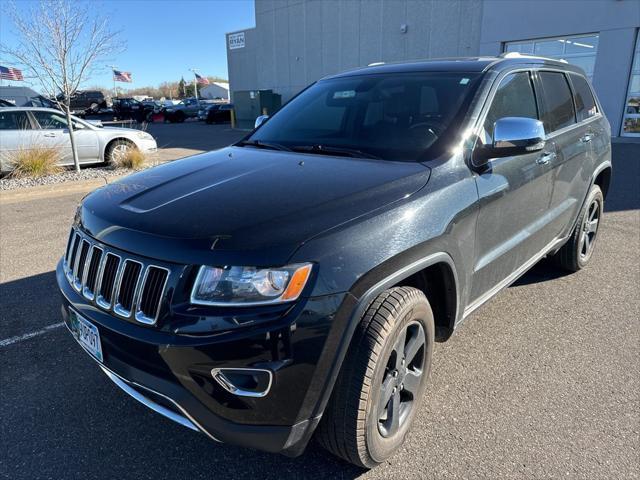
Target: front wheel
380,387
576,253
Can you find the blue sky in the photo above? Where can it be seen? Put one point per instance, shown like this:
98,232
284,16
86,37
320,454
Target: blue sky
164,37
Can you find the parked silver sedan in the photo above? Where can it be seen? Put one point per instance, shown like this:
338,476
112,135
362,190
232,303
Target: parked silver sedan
23,128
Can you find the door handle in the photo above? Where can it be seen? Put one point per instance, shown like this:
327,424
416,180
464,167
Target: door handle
587,138
545,158
49,134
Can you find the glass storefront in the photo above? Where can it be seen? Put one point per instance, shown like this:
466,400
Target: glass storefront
578,50
631,118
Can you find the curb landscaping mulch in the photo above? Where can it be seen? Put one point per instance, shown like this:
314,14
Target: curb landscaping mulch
9,183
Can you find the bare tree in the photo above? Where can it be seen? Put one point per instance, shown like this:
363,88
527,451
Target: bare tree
59,44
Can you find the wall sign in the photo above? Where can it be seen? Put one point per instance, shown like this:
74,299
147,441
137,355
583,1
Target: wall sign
236,40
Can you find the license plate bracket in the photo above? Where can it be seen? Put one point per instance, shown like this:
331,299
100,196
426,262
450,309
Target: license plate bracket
86,334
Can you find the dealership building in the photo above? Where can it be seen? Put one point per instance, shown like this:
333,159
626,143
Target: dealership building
296,42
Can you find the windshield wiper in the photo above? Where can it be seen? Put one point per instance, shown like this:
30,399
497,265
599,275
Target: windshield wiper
260,144
331,150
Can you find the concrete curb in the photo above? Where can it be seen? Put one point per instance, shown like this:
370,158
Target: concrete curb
57,190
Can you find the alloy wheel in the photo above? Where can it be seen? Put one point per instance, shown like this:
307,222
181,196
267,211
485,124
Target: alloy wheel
401,380
589,229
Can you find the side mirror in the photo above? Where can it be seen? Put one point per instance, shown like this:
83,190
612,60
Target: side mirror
512,136
260,120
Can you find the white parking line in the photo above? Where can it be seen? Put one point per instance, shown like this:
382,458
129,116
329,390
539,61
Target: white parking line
10,341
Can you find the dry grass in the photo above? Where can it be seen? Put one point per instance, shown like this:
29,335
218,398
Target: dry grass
36,161
133,159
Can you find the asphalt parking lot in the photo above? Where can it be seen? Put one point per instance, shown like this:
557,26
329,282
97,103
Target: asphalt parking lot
542,382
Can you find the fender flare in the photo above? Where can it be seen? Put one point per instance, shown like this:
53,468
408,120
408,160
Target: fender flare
599,169
361,305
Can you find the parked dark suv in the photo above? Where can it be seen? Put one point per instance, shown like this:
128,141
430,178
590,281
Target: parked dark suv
86,101
296,281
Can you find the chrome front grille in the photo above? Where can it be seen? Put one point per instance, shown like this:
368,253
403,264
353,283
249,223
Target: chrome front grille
128,287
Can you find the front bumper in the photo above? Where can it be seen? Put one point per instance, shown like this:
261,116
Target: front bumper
171,373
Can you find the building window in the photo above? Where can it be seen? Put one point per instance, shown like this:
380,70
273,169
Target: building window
631,118
578,50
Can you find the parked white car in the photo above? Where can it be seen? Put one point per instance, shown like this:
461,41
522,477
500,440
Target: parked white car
24,128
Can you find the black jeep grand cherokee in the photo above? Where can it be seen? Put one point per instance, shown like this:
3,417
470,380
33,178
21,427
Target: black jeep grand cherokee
296,281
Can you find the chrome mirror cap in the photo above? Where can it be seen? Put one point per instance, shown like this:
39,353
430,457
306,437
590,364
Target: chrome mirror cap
520,133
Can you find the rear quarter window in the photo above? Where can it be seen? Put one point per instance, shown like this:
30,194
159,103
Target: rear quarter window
557,100
585,103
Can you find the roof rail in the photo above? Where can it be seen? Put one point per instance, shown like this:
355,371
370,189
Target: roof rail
526,55
375,64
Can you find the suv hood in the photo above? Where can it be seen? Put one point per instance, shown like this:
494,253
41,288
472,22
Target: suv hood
242,204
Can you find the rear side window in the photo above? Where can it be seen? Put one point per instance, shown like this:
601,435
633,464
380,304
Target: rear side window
585,103
558,102
14,121
514,98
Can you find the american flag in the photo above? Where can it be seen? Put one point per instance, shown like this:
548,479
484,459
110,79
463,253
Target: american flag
119,76
201,80
8,73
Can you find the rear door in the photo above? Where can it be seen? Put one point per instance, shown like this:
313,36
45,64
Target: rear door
513,193
573,139
16,134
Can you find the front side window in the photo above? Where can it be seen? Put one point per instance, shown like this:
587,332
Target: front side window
14,121
50,120
403,116
585,103
513,98
558,101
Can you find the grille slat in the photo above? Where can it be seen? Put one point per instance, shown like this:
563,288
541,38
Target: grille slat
151,296
128,282
92,273
122,285
108,281
80,266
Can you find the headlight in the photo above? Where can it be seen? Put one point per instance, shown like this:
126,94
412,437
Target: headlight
144,135
225,286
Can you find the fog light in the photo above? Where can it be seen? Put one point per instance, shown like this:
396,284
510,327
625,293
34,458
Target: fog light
244,382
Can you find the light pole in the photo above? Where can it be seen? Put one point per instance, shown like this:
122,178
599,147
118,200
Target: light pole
113,76
195,82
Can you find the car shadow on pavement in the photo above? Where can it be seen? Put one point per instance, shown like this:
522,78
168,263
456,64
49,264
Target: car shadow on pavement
624,189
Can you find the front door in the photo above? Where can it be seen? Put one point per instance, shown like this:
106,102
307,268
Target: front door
513,194
55,133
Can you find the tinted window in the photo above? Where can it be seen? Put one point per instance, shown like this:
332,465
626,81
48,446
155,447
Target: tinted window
514,98
14,121
404,116
585,103
557,101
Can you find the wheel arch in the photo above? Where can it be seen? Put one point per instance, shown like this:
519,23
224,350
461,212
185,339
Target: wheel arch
440,262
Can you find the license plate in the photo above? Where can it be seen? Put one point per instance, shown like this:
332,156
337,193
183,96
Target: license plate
86,334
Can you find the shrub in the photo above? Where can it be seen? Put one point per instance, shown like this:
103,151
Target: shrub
36,161
132,159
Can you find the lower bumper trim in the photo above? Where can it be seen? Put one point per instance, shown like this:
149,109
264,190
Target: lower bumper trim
183,420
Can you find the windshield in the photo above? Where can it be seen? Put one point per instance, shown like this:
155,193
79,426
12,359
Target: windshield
407,116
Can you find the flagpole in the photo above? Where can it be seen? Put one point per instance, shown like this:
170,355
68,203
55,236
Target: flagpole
195,82
113,77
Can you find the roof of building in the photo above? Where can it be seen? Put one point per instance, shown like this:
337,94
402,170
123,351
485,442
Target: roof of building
461,64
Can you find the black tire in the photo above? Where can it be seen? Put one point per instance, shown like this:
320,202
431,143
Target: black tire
358,423
576,253
208,121
180,117
108,154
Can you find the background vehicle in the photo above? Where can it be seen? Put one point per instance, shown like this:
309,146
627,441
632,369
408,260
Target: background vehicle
24,97
86,101
221,114
205,105
23,128
298,279
130,108
187,108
